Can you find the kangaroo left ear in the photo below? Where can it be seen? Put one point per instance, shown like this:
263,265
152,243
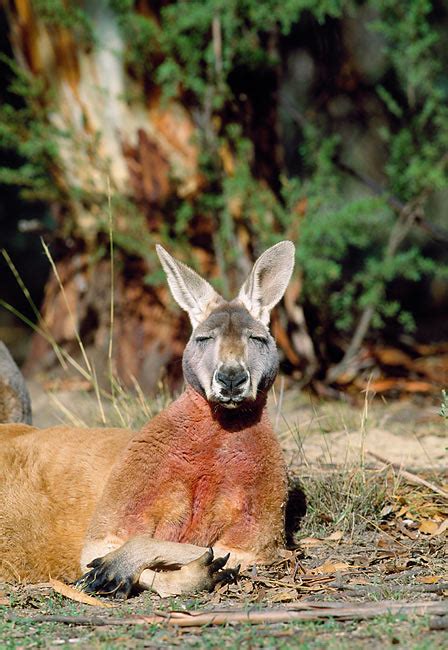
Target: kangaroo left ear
268,280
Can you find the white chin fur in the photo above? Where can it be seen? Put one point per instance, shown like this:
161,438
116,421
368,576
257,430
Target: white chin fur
227,402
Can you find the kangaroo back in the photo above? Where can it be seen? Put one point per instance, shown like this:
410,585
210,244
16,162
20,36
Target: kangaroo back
15,403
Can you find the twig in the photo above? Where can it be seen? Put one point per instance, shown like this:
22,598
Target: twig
67,620
217,44
437,232
410,476
304,611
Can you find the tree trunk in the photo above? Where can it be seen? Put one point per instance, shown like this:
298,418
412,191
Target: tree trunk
115,141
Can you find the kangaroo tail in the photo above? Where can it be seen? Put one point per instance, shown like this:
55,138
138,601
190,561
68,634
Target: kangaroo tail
15,403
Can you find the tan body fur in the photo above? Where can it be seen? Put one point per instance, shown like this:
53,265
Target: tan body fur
206,472
51,481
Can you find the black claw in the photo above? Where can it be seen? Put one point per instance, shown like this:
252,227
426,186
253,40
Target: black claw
101,579
228,576
219,563
123,589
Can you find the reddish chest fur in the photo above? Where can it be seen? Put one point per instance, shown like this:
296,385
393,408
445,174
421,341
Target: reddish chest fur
204,475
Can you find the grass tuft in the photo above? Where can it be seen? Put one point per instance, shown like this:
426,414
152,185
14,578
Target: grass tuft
344,499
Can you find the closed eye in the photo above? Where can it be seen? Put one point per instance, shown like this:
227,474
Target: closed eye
202,339
259,339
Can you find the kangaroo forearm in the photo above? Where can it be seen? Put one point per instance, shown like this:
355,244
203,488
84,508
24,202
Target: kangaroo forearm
138,557
141,552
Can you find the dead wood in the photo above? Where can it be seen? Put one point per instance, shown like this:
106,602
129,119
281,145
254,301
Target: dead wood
303,611
439,623
410,476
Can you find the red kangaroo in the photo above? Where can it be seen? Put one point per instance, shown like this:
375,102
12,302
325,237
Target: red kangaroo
205,478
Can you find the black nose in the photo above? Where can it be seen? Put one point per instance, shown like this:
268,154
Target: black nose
231,378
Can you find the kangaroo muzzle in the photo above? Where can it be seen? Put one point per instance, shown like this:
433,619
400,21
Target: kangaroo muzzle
230,384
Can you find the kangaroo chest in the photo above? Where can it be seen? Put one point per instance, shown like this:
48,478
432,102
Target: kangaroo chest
205,480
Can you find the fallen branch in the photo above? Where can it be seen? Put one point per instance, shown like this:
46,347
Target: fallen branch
439,623
410,476
304,611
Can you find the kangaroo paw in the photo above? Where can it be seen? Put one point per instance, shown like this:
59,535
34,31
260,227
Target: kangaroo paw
108,577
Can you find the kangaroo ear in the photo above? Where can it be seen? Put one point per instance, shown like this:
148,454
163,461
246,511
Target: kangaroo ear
191,292
268,280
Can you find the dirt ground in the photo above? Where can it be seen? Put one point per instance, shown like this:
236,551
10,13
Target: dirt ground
369,568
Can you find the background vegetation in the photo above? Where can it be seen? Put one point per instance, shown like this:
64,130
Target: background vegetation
219,128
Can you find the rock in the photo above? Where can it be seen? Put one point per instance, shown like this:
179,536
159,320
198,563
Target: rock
15,403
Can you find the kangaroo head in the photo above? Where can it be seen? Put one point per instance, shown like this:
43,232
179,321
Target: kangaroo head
231,355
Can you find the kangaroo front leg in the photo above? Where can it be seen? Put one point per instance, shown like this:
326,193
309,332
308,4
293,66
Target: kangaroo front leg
185,568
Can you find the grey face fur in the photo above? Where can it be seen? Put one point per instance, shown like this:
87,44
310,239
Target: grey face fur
231,355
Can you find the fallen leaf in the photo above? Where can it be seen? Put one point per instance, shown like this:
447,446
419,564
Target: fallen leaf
78,596
417,386
284,596
310,541
335,537
247,586
412,534
317,541
397,383
428,580
393,357
387,510
359,581
395,566
330,567
428,527
441,529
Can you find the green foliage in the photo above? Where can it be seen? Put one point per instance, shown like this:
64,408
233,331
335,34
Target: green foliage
418,145
26,131
141,33
193,51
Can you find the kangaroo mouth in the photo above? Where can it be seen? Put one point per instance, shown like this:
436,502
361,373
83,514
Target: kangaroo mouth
231,401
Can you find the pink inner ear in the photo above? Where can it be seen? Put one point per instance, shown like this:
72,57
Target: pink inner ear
191,292
268,280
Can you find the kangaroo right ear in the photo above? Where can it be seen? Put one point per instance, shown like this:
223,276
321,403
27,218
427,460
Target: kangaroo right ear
191,292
